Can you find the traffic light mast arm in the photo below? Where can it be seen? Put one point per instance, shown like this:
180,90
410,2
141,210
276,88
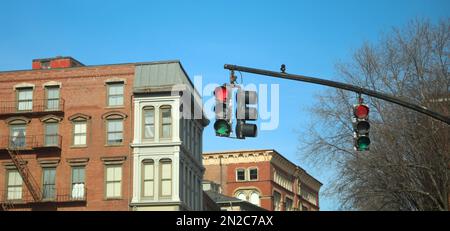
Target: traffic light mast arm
343,86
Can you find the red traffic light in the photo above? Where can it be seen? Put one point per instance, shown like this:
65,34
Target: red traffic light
221,94
361,111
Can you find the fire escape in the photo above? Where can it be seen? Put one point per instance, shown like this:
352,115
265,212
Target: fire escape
15,145
27,177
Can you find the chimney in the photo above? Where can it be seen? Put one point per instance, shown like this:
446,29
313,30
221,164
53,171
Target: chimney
56,62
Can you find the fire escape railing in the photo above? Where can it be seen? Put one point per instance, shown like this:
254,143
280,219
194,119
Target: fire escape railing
27,177
32,106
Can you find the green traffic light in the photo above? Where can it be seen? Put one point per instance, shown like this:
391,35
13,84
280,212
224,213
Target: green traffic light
363,143
222,128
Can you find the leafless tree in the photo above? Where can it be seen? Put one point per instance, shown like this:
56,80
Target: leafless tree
407,167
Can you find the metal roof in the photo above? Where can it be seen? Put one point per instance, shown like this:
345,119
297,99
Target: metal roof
159,74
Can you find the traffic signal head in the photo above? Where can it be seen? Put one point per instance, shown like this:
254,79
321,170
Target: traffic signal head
222,109
246,110
361,127
245,101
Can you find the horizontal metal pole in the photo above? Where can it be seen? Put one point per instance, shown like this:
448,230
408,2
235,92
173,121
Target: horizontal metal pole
343,86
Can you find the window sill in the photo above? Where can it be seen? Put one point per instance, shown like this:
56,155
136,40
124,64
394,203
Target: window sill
78,146
114,145
114,199
115,107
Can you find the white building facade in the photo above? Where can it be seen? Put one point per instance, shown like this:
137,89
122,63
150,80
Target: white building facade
167,161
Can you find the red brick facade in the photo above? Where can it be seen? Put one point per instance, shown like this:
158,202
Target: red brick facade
221,168
83,91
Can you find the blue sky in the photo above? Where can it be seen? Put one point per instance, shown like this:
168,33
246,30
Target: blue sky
308,36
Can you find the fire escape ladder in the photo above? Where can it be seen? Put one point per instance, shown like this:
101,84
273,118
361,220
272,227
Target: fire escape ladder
25,173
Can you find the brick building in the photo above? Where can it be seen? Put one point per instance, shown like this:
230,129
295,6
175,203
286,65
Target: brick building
104,137
264,178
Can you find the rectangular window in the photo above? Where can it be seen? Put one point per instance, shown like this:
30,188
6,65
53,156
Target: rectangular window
25,99
149,123
240,174
51,134
253,172
115,94
14,185
166,122
113,181
166,178
49,189
288,205
148,179
17,135
79,133
78,184
276,201
115,131
52,95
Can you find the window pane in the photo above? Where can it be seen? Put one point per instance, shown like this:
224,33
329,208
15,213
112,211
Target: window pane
52,92
166,118
254,198
166,131
114,138
115,100
80,127
166,121
149,131
117,173
116,89
115,94
25,94
166,189
14,178
242,196
240,174
148,188
117,189
78,175
109,190
166,171
80,140
49,183
109,173
115,125
149,115
51,128
148,171
253,174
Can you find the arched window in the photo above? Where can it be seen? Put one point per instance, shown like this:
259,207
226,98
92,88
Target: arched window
241,196
148,178
79,129
114,127
165,166
165,122
18,133
254,198
149,123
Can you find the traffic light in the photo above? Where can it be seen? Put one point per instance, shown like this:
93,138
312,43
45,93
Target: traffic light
246,110
222,109
361,127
